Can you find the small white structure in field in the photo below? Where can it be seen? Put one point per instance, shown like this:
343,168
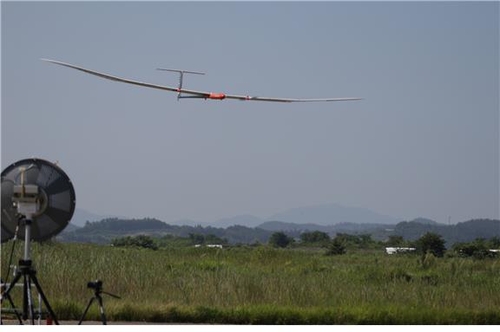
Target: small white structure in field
397,250
209,246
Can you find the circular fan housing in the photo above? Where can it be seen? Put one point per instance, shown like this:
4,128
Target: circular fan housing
56,197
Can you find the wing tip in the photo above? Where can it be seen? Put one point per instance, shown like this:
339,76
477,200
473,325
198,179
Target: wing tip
54,61
47,60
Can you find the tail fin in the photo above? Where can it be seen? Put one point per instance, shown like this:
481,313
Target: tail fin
181,76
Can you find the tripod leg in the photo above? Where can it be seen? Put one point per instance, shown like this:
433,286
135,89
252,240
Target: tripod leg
6,294
18,316
29,312
101,308
86,309
44,299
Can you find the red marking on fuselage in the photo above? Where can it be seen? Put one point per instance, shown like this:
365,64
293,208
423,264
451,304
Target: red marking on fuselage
217,96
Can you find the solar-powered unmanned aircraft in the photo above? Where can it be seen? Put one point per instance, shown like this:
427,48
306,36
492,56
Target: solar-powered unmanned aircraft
193,93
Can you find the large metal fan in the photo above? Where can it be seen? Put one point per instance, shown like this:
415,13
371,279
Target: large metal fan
38,201
52,195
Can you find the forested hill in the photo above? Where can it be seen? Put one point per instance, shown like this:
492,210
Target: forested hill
461,232
126,225
105,230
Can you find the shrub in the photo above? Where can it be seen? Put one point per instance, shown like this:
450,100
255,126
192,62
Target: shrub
280,239
431,243
314,237
336,247
476,249
142,241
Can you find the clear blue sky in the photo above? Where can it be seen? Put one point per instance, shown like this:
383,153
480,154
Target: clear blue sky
423,142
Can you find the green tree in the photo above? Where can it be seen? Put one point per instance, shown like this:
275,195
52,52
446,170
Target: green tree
494,243
349,240
145,241
280,240
477,249
336,246
214,239
314,237
141,241
431,243
366,241
395,241
174,241
197,238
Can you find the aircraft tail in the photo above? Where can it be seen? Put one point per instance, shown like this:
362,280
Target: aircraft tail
181,77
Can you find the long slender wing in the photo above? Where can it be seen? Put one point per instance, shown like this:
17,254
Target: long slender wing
124,80
195,93
291,100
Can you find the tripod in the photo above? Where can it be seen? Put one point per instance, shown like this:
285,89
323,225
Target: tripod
97,286
7,296
28,273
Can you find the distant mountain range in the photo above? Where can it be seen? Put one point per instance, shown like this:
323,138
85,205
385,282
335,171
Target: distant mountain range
330,218
105,230
292,228
332,214
242,220
80,217
323,215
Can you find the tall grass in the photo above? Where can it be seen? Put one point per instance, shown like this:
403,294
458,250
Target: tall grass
265,285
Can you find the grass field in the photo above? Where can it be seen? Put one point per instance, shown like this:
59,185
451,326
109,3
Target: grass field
262,285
